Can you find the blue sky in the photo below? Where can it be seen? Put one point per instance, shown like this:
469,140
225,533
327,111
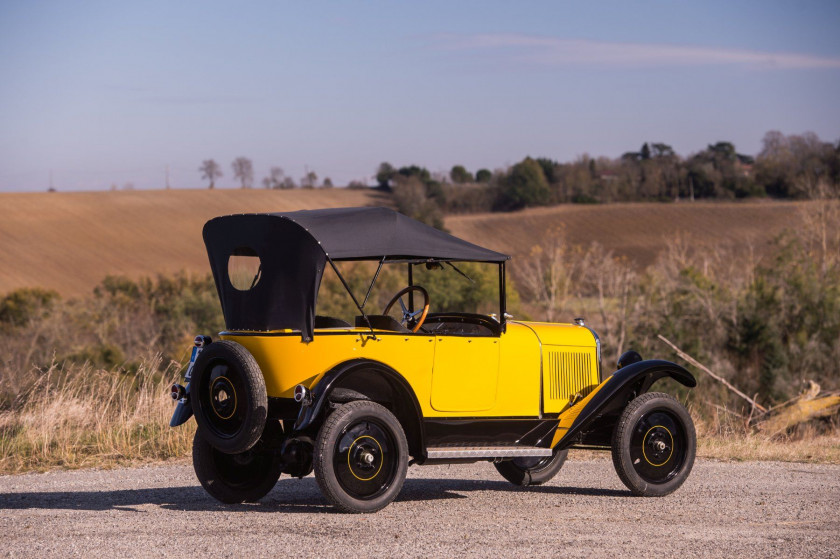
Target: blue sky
101,93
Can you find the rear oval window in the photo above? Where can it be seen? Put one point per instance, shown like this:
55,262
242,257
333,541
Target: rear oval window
244,268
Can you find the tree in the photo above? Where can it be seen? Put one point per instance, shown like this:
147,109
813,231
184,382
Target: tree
243,171
274,179
310,180
327,183
548,166
460,175
644,153
385,174
524,186
662,150
210,170
413,200
416,171
484,175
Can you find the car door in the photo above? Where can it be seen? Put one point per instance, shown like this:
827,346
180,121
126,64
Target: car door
465,373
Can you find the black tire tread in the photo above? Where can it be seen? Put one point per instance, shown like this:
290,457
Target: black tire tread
323,473
525,477
208,476
620,441
258,401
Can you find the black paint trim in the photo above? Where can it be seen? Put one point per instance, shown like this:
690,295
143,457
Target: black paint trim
283,408
594,422
487,431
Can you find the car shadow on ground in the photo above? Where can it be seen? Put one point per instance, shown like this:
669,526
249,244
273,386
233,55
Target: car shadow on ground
288,496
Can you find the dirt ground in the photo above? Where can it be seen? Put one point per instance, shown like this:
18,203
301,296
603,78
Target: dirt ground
750,509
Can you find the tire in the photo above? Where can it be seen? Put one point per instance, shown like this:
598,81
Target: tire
361,457
228,397
237,478
532,471
654,445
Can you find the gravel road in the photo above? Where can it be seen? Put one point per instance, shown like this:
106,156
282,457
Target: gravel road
753,509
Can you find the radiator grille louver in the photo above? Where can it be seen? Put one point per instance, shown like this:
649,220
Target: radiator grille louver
569,373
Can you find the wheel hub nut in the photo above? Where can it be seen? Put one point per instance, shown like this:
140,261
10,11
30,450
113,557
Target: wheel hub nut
660,445
367,457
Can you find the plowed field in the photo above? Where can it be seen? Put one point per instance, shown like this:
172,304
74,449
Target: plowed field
70,241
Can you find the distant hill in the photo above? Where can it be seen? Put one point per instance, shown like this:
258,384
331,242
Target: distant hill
638,231
70,241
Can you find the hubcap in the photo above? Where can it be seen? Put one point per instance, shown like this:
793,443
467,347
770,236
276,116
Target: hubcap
364,459
657,446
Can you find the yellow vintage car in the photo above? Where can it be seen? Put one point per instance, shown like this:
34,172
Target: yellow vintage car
286,390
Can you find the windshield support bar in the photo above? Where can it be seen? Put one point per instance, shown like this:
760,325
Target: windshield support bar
347,288
411,283
373,282
451,265
502,298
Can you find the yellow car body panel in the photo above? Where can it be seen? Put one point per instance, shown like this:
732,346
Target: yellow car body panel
530,370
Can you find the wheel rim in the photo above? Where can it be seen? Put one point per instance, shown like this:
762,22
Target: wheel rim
365,459
222,394
657,446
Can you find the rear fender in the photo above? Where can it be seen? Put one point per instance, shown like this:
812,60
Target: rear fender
366,379
612,395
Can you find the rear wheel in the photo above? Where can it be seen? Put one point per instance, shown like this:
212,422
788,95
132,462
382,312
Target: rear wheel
654,445
532,471
361,457
236,478
228,397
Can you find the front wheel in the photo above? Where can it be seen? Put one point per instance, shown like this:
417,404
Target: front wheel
654,445
361,457
532,471
236,478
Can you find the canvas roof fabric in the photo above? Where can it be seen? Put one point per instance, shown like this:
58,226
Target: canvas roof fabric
293,248
373,233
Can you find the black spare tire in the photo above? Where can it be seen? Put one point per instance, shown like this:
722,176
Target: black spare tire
227,392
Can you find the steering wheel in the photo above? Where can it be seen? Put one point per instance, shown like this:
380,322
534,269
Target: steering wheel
409,317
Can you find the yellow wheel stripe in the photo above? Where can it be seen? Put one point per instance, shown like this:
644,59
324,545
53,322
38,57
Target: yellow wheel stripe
643,446
382,454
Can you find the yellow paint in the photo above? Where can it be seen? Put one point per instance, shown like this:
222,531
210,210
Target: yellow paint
567,418
451,376
465,374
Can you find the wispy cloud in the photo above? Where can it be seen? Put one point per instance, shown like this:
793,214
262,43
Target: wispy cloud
552,51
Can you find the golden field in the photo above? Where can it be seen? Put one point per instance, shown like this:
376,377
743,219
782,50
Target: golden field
70,241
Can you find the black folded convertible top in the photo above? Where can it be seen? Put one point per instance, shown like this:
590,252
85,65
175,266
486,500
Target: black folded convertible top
293,248
373,233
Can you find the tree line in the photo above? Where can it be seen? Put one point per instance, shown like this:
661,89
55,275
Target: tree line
788,166
243,172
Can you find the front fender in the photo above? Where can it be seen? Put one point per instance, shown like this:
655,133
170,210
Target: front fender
321,392
612,395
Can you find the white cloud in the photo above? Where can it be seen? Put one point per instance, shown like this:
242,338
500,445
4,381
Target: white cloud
553,51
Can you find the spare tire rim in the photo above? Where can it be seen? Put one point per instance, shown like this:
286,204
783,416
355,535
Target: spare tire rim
222,393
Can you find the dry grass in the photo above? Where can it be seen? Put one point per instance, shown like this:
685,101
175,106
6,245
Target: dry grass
85,417
822,449
95,418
